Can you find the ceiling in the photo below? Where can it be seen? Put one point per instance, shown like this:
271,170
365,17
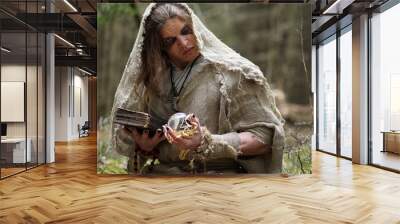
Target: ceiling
331,15
72,20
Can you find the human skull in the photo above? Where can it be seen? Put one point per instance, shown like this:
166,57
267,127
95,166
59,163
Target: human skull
179,122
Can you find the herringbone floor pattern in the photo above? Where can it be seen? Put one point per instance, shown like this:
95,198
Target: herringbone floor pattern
70,191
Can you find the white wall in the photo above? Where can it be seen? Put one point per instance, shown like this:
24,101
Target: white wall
12,73
81,82
17,73
71,94
62,81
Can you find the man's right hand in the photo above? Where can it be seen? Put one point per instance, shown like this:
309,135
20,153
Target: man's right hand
146,143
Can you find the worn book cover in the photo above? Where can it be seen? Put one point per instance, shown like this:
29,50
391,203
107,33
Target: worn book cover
139,120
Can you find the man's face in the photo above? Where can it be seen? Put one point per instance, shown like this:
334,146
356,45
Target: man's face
179,42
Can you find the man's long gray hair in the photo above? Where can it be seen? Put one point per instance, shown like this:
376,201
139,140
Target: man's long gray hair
154,57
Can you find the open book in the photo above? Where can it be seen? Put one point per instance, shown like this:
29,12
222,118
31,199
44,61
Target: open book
139,120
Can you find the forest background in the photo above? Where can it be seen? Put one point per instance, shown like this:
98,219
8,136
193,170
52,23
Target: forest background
276,37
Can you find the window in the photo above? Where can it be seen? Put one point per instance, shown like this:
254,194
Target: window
346,92
327,95
385,84
22,66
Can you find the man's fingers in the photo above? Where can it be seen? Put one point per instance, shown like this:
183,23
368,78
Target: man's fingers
186,137
196,119
159,133
158,137
190,118
187,143
161,137
167,134
145,134
193,120
181,141
174,138
171,132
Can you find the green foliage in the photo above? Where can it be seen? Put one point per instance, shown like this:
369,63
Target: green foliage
297,158
298,161
107,13
108,162
112,166
276,37
117,29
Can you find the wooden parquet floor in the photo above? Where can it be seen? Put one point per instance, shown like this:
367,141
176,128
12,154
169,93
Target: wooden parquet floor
70,191
10,171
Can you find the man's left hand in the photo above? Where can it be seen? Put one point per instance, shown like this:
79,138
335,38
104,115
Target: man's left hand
185,142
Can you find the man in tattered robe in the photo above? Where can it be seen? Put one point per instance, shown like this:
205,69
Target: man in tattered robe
228,94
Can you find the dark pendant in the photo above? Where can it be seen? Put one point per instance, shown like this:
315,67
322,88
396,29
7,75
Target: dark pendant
174,103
